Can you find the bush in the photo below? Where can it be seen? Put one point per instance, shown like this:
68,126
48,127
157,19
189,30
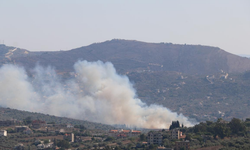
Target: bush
109,139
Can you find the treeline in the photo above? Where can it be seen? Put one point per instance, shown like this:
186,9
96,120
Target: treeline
221,128
230,135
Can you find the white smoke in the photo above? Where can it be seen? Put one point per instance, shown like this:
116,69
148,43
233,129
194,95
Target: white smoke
96,93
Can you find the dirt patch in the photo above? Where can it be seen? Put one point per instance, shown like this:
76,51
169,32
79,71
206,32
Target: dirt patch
126,142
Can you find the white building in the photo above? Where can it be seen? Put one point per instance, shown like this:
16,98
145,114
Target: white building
70,126
45,146
72,138
3,133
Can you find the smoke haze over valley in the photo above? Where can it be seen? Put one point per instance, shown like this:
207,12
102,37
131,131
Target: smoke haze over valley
94,93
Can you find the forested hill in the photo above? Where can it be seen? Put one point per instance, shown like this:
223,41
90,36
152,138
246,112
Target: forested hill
129,56
7,113
202,82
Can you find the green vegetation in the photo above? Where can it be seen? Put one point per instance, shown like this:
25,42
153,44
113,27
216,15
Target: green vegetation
219,134
7,113
63,144
195,96
229,135
174,125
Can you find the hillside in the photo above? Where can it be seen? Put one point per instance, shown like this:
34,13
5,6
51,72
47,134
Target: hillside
7,113
129,56
201,82
200,97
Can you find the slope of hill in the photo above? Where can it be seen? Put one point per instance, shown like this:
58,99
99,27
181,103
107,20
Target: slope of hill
200,97
171,75
7,113
128,56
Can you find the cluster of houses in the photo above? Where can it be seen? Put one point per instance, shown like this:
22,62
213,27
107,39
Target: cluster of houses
39,125
124,133
36,125
42,145
155,137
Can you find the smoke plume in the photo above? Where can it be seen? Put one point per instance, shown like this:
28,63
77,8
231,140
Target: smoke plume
95,93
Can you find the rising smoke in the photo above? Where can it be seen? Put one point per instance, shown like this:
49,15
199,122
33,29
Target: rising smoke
96,93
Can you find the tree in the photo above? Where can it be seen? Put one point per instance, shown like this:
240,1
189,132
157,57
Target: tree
188,137
221,130
109,139
142,137
152,146
236,126
202,127
55,142
175,124
117,148
63,144
27,120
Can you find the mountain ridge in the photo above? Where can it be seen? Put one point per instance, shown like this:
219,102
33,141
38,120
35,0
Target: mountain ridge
129,56
188,79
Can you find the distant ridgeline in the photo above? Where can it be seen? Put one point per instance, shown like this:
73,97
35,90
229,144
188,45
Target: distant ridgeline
130,56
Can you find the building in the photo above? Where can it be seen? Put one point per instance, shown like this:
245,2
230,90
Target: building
121,135
3,133
72,137
155,138
21,128
45,146
70,126
182,144
124,133
61,131
38,124
176,134
28,131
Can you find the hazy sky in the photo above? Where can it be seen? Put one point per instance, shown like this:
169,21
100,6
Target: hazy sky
47,25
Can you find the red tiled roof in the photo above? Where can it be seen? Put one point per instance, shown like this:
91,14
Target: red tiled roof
126,131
